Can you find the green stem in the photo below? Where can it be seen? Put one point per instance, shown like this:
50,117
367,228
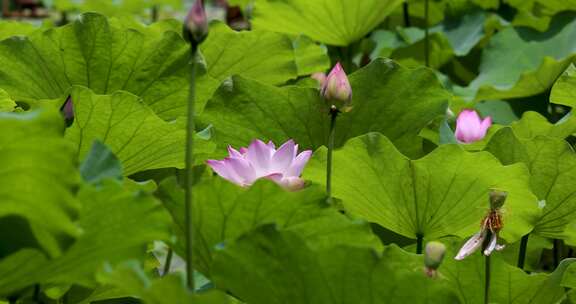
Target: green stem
189,173
168,262
522,253
556,252
406,14
333,115
487,280
419,243
154,13
426,36
36,296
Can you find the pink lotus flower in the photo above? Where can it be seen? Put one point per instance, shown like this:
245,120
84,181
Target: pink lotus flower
196,21
470,128
336,86
260,160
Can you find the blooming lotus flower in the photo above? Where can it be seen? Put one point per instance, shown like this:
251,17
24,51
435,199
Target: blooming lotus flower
336,89
470,128
491,226
196,22
260,160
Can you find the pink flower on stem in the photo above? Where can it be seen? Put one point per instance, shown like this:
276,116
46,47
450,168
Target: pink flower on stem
336,86
196,21
260,160
470,127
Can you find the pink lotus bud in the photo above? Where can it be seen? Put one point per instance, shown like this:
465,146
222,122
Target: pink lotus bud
67,109
260,160
470,128
196,22
336,89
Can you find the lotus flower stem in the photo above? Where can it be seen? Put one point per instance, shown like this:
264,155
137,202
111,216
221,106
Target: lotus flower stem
426,36
487,280
487,268
419,242
168,261
155,12
556,252
522,253
333,116
189,173
406,14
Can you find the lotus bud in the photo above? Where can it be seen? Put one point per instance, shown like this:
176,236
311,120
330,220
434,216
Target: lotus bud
336,89
497,198
433,256
470,128
67,109
196,24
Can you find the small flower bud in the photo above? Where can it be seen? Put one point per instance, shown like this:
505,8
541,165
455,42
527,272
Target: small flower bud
470,127
67,109
434,254
196,24
497,198
336,89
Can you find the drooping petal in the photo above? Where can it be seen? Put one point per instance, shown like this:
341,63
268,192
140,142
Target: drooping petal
222,169
471,245
491,245
241,169
283,157
259,155
298,164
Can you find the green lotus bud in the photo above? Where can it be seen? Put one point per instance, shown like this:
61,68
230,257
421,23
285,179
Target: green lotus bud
497,198
434,254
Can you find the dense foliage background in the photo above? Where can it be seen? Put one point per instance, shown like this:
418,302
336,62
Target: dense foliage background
90,201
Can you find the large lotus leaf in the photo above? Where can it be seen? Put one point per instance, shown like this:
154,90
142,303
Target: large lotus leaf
15,28
137,136
7,104
534,124
552,164
331,22
387,98
117,223
564,89
266,56
521,62
276,266
508,284
224,211
538,13
443,193
37,181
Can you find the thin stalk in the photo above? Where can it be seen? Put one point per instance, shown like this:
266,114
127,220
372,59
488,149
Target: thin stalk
36,296
406,11
556,252
419,243
522,253
487,280
426,36
12,300
189,173
154,13
487,268
333,115
168,262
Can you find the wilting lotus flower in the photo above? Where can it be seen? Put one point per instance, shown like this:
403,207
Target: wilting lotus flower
196,22
470,128
260,160
336,89
491,226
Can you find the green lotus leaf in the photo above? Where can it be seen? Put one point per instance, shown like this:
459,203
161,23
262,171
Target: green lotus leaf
271,265
533,124
387,98
7,104
37,162
520,62
508,284
564,89
135,134
224,211
552,165
443,193
117,223
335,23
15,28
